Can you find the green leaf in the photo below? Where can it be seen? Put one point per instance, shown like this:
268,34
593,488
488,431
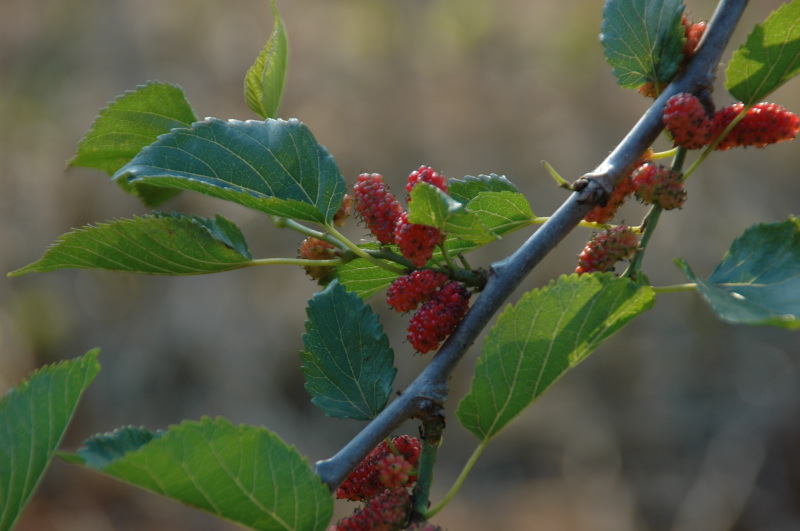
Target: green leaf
160,244
275,166
547,333
102,449
643,40
431,206
364,278
758,280
33,418
466,189
263,84
500,212
347,361
133,121
241,473
769,57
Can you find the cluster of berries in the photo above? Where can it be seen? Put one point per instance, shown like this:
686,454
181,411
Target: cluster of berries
388,221
652,184
443,302
692,126
381,481
694,32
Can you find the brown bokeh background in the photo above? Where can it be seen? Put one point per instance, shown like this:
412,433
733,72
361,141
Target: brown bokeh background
678,422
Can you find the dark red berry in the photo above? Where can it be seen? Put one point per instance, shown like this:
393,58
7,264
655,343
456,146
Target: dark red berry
657,185
438,317
365,480
426,174
687,121
408,291
388,511
416,242
606,249
377,206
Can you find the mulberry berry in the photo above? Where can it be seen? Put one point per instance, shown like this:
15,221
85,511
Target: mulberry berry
387,511
606,249
694,32
365,480
426,174
438,317
764,124
416,242
408,291
687,121
316,249
377,206
657,185
603,214
344,211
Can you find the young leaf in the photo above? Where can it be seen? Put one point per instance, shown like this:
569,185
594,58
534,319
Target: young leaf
130,123
547,333
347,361
244,474
500,212
364,278
466,189
431,206
275,166
159,244
33,418
769,57
263,84
643,40
758,280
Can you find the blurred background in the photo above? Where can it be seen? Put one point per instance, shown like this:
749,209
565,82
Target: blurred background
678,422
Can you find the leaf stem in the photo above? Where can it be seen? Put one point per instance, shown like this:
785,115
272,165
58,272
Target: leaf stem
713,145
459,481
651,221
297,261
361,253
689,286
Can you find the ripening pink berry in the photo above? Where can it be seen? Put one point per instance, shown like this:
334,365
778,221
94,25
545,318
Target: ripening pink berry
606,249
687,121
657,185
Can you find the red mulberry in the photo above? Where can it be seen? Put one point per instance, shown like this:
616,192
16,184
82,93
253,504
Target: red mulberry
438,317
316,249
603,214
408,291
764,124
687,121
387,511
606,249
365,480
377,206
416,242
426,174
657,185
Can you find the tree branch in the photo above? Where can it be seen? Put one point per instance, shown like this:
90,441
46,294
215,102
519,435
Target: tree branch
429,390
